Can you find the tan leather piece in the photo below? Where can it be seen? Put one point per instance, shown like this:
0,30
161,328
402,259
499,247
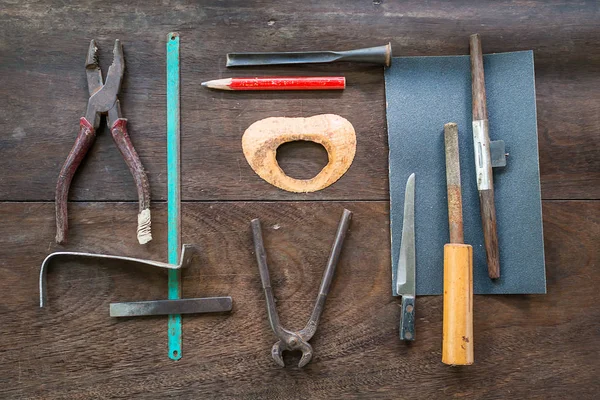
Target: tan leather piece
336,134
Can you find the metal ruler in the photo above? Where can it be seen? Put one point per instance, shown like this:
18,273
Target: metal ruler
173,188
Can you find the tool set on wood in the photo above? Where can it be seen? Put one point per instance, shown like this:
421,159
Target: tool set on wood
418,142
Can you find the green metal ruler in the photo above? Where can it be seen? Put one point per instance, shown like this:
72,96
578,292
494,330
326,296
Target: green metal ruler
173,188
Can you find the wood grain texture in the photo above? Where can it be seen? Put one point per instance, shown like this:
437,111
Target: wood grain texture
43,87
526,346
478,79
490,232
73,349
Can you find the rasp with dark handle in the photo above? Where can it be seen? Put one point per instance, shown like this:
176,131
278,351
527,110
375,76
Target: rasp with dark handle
375,55
483,159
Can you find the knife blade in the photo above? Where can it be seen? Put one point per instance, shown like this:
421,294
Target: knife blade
406,270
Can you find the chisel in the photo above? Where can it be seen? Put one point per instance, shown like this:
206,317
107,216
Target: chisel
375,55
483,159
457,343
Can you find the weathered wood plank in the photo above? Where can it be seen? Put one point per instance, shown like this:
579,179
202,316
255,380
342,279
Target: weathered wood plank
545,346
43,90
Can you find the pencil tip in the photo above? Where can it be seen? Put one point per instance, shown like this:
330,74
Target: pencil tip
204,84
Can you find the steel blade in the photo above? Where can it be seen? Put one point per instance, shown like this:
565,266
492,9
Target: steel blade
405,276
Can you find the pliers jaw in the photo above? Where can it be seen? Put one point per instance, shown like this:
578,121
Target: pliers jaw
92,69
103,96
291,343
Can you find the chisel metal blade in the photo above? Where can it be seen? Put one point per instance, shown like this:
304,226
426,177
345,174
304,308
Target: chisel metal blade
406,271
381,55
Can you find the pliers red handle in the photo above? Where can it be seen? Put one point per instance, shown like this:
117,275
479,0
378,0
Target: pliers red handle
103,100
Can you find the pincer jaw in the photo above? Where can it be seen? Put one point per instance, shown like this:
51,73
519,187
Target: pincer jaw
304,347
277,354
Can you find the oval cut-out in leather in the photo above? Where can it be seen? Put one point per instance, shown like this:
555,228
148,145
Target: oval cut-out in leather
334,133
301,159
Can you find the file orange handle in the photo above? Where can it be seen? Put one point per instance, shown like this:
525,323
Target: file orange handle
457,343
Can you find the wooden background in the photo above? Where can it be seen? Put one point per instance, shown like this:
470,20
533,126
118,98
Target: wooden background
525,346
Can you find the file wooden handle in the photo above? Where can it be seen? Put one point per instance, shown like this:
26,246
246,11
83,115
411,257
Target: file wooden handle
457,343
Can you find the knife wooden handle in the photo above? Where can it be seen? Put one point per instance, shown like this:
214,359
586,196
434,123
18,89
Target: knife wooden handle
457,343
407,318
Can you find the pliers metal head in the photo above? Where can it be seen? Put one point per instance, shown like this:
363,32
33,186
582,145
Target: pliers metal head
291,341
103,95
103,100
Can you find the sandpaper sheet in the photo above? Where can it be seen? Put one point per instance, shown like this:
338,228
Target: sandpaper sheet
424,93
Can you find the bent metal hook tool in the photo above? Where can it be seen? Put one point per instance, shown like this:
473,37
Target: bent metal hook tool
187,251
103,100
290,340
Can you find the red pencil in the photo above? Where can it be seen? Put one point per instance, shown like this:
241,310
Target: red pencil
279,83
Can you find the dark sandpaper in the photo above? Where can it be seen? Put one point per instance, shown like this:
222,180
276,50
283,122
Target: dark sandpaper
424,93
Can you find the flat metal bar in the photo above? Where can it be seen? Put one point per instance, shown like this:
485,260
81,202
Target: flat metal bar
173,188
166,307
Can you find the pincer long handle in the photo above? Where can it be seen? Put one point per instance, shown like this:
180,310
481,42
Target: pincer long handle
311,327
121,138
84,141
261,259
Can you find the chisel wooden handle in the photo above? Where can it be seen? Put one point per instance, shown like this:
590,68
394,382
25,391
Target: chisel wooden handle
457,343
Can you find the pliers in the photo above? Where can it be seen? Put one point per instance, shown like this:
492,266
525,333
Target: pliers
290,340
103,100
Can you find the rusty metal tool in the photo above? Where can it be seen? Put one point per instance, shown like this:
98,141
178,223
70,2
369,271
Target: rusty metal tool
167,307
187,251
381,55
103,101
457,343
483,159
404,278
297,340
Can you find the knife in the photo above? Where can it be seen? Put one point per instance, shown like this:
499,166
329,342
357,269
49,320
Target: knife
405,272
